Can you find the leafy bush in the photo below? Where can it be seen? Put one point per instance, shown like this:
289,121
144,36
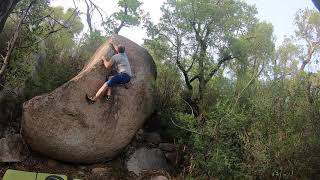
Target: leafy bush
275,136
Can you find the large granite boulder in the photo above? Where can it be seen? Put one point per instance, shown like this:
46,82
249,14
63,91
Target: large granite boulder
63,126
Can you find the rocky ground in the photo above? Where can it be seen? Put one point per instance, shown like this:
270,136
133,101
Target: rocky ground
112,170
147,157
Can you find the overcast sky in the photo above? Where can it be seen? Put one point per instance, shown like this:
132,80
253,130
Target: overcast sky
279,12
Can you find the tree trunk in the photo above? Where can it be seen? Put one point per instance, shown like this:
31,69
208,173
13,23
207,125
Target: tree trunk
192,103
6,6
202,82
309,57
12,42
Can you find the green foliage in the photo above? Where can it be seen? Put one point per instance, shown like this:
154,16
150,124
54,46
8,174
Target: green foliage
258,121
89,44
168,86
199,35
218,149
168,81
56,60
275,136
130,14
49,32
260,113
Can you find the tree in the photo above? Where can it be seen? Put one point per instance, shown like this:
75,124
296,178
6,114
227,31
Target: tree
13,40
91,8
130,14
255,52
57,59
41,23
5,9
200,34
287,59
308,31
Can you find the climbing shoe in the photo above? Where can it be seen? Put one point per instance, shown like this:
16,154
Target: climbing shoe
90,100
108,97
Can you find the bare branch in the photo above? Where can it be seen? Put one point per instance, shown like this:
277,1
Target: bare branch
186,129
98,9
189,106
63,26
194,78
117,30
39,19
193,59
182,69
217,67
74,4
311,50
192,63
42,39
254,76
89,15
173,44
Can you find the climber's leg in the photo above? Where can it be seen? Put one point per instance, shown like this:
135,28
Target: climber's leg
121,78
109,91
101,91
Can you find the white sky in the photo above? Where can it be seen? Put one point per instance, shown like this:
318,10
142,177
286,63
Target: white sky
279,12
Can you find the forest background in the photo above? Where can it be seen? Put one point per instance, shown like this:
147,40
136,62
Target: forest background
239,103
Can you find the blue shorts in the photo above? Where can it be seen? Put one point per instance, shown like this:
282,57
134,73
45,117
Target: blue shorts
121,78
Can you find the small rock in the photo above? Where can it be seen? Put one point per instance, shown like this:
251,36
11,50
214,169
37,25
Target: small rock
167,147
159,178
146,159
82,168
99,171
152,137
171,157
139,134
81,173
13,149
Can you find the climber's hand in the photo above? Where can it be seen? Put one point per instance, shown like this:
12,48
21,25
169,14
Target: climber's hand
112,45
103,58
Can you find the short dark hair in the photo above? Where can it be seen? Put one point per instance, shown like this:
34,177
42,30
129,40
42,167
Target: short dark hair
121,49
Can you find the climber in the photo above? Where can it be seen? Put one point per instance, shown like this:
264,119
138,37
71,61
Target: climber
122,73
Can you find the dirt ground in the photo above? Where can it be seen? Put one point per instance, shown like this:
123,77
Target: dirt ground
114,170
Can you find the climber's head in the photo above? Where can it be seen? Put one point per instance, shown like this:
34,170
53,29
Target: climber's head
121,49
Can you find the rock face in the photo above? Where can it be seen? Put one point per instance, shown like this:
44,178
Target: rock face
63,126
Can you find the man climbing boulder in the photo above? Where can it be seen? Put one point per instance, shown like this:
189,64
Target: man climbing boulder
63,126
122,73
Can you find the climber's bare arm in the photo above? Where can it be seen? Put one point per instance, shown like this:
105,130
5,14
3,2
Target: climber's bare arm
115,48
107,64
